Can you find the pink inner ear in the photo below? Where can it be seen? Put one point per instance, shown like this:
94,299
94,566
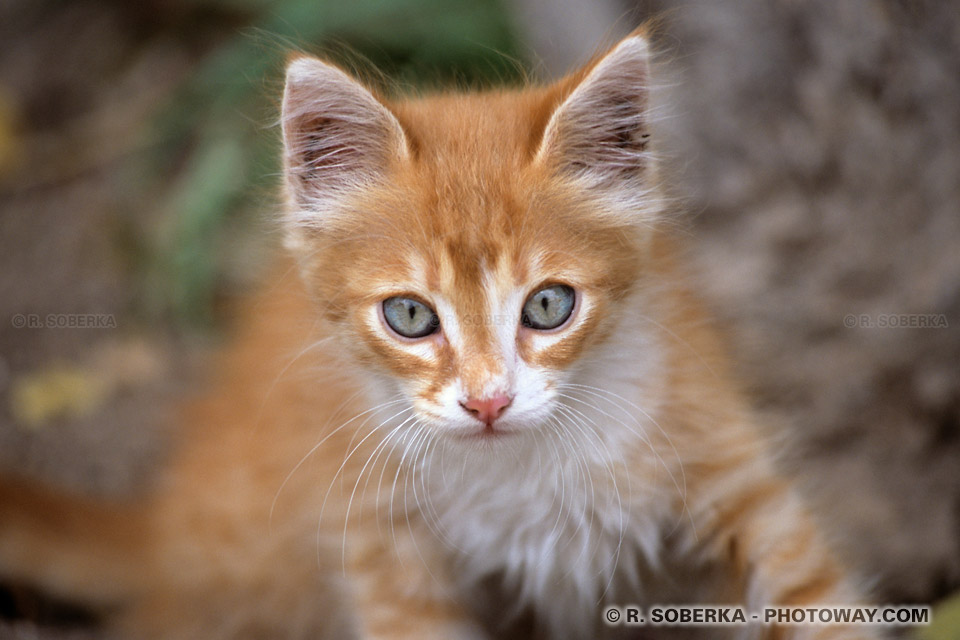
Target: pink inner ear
320,149
600,130
337,135
325,153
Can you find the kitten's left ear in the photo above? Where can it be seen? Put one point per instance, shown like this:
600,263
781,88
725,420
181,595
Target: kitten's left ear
599,134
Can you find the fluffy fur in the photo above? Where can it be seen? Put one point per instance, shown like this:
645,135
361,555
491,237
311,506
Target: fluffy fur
331,484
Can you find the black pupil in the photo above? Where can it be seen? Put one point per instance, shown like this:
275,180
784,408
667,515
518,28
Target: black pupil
544,303
412,309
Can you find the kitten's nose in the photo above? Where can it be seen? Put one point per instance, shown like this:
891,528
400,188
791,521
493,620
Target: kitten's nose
487,409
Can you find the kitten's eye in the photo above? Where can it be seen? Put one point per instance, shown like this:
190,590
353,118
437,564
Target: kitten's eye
410,318
548,308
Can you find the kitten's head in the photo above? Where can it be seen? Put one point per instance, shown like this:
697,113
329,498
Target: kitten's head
474,248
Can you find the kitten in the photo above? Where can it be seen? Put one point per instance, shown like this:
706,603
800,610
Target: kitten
488,406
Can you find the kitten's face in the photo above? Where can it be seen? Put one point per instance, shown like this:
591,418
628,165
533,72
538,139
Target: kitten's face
473,298
472,248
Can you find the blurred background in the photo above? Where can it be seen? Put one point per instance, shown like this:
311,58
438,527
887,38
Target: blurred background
814,148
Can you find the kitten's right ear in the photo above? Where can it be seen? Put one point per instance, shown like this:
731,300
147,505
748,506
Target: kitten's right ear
337,138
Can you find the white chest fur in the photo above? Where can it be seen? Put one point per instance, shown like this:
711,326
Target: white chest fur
562,530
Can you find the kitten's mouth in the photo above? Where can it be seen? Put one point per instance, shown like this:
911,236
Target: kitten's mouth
487,433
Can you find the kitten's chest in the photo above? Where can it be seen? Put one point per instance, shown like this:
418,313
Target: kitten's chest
552,541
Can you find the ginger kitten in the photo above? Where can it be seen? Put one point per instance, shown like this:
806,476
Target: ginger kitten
486,404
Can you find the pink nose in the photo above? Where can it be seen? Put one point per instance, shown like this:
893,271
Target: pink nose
487,409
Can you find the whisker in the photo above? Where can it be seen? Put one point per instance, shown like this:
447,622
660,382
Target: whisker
343,465
393,490
346,519
412,478
380,480
283,371
585,476
607,460
313,450
563,510
620,506
682,486
681,341
431,510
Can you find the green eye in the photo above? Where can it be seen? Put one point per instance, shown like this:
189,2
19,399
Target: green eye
410,318
548,308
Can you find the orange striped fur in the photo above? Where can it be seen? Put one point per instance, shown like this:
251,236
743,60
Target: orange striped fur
334,481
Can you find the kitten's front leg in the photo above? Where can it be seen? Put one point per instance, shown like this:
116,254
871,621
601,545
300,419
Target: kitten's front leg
400,591
760,527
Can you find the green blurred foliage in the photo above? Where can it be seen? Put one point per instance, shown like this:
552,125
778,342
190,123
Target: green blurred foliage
218,135
945,621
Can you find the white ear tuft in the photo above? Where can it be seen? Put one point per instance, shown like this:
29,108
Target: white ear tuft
599,133
337,138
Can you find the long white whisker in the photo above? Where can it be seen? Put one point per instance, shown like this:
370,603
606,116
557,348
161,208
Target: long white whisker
393,490
266,397
589,506
313,449
563,511
411,477
680,341
346,459
616,492
383,470
430,510
682,485
346,519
